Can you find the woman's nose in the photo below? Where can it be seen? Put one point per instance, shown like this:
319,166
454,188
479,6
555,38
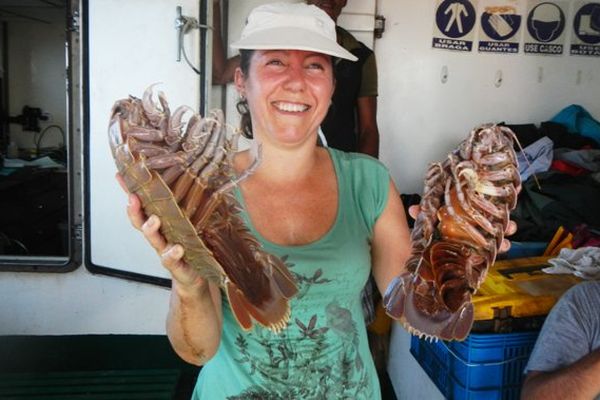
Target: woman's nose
295,79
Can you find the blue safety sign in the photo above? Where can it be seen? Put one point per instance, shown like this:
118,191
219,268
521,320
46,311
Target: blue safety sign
587,23
586,27
546,22
454,22
455,18
500,26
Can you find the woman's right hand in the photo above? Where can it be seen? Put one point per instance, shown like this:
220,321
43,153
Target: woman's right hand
186,277
195,317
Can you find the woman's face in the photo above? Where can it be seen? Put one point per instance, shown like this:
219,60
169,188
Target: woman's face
288,94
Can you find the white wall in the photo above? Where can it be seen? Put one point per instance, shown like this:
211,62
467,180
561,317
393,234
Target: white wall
409,380
421,120
79,303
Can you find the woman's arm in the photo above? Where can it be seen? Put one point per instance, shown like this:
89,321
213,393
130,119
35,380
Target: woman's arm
195,317
580,380
223,68
391,241
368,133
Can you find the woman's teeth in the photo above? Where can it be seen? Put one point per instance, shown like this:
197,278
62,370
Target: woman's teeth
291,107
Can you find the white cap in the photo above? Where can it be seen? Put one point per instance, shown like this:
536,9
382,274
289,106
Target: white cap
291,26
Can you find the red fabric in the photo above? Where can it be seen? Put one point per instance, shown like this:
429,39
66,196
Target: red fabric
568,168
584,237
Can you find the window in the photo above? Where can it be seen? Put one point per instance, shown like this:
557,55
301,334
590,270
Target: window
39,218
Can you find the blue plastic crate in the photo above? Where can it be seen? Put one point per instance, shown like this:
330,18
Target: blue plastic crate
484,366
509,392
523,250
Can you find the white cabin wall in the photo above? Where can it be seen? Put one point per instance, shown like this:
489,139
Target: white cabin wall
79,303
421,120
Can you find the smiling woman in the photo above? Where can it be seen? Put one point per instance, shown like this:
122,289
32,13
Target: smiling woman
332,216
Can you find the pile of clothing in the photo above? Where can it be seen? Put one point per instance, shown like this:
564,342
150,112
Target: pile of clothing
583,262
560,170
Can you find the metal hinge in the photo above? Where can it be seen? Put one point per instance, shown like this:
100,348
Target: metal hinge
379,26
78,232
183,25
73,22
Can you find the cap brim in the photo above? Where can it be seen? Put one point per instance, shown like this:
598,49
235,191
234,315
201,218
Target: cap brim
290,38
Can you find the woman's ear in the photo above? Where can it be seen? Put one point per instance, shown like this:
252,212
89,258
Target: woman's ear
240,82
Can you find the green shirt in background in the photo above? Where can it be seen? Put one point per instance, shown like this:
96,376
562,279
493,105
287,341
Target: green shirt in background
368,78
354,80
323,353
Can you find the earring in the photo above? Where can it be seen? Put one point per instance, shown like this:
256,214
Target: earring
242,106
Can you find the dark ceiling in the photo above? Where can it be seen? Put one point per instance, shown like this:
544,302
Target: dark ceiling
28,10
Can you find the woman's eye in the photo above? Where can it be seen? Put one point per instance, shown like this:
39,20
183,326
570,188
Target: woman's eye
274,61
316,65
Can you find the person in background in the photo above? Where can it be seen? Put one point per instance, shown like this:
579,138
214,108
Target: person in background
223,68
351,123
565,362
335,217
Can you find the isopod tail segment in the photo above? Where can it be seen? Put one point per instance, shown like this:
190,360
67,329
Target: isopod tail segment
435,300
273,312
401,298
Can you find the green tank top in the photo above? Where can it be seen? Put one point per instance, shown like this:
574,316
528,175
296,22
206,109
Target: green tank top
323,353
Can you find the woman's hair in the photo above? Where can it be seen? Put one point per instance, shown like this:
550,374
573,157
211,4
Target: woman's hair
242,104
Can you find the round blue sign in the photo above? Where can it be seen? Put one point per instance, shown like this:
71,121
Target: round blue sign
546,22
500,26
455,18
587,23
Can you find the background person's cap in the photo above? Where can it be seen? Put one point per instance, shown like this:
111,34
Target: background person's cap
291,26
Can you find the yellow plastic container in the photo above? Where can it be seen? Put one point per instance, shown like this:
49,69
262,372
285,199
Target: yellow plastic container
518,288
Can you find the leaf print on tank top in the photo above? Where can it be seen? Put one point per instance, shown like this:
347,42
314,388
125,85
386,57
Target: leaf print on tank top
308,350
